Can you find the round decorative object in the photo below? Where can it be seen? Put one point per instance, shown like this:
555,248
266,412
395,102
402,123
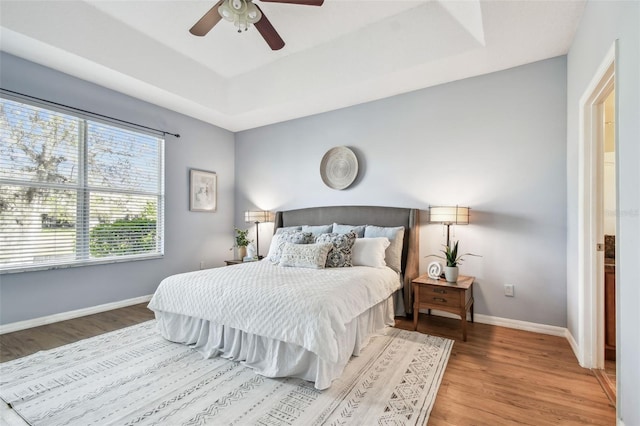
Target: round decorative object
434,270
339,167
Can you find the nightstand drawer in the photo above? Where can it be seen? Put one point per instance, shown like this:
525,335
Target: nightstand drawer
439,296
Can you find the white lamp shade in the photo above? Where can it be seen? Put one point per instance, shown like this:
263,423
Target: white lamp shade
259,216
450,214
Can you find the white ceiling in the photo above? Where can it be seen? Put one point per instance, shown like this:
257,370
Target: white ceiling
343,53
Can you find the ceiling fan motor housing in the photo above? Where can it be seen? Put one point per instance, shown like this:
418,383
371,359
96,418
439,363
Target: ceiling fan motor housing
241,12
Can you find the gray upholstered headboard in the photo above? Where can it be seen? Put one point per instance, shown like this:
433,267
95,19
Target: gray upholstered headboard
366,215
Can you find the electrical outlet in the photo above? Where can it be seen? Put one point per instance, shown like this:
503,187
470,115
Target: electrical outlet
508,290
202,264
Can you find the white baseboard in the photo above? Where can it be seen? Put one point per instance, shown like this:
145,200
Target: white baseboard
551,330
574,346
511,323
63,316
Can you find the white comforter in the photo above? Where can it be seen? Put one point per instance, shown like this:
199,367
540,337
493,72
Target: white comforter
306,307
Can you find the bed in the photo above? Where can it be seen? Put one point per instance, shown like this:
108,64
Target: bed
290,320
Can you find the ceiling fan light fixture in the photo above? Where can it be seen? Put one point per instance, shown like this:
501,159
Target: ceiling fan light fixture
242,13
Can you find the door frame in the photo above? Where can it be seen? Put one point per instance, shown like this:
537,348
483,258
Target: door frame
591,212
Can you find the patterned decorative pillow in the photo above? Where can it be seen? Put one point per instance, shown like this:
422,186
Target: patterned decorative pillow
287,228
344,229
340,254
317,229
295,237
305,255
395,235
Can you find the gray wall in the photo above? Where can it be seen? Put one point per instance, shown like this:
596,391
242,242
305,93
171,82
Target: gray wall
496,143
190,237
603,23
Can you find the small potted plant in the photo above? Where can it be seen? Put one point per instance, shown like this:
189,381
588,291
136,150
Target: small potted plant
453,259
241,243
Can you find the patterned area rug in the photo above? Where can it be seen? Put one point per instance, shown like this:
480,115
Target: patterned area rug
135,377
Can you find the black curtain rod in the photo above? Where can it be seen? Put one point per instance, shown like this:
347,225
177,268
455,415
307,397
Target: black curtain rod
164,132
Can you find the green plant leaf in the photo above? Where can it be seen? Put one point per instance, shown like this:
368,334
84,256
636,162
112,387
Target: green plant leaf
451,255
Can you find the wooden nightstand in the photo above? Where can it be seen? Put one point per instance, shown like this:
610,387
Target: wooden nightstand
456,298
237,261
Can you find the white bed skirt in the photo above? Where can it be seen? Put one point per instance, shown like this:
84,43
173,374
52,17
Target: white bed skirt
274,358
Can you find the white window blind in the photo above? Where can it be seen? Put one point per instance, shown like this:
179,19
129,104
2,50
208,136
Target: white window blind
75,191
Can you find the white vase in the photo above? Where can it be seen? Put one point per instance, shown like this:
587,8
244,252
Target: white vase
451,273
241,252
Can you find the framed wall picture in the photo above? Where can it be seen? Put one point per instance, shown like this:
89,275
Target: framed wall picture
202,191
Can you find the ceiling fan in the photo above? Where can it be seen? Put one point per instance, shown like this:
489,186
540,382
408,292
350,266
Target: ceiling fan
243,13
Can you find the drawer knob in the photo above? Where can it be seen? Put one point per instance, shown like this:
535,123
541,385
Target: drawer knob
439,299
438,290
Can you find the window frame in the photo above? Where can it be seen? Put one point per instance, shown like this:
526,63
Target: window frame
84,191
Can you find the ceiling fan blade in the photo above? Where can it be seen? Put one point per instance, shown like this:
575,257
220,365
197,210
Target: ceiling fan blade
303,2
207,22
269,33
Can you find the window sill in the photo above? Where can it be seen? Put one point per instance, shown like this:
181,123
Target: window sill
20,269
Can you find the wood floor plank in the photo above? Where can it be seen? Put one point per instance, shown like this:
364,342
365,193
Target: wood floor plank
506,376
25,342
500,376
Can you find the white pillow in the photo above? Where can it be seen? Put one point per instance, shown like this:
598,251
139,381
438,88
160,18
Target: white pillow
393,256
305,255
369,252
273,247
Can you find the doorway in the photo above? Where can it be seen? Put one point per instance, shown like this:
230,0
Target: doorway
591,215
607,376
597,218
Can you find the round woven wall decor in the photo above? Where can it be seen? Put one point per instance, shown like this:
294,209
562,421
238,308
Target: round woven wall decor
339,167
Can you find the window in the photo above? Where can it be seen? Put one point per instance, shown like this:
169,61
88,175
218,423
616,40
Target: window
75,191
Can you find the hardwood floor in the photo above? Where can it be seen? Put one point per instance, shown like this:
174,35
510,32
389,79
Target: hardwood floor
607,380
499,376
25,342
502,376
610,371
